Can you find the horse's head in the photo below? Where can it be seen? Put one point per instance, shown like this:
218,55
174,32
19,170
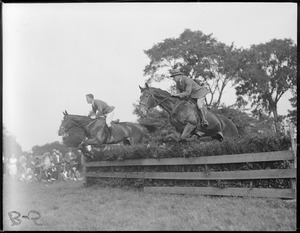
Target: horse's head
65,125
151,97
147,100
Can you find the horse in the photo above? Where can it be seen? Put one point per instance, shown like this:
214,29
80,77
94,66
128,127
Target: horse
98,134
183,115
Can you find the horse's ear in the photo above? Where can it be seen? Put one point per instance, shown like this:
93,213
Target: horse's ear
65,112
141,88
146,85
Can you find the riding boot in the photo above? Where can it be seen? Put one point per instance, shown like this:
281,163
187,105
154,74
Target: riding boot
204,121
111,133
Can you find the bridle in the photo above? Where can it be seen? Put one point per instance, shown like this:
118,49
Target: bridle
75,124
155,104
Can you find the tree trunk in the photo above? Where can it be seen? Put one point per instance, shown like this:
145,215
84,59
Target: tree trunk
276,122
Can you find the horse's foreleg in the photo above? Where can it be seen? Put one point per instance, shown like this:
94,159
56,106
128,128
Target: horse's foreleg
91,141
187,131
84,144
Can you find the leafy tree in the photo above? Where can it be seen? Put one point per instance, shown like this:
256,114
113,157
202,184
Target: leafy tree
245,123
48,147
292,114
267,71
199,56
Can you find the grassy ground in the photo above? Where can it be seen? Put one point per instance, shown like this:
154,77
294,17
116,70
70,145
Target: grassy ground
72,206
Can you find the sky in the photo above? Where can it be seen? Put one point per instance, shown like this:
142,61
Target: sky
55,54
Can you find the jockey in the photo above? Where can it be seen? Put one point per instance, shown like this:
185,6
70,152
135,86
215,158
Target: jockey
101,109
188,87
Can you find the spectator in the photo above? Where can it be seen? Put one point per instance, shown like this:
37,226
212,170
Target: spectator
29,175
80,161
68,156
30,161
57,160
13,166
74,161
54,173
64,174
38,167
47,166
23,162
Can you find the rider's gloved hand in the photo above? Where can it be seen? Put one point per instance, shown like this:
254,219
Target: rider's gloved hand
177,95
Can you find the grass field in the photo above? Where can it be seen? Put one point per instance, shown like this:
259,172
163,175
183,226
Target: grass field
72,206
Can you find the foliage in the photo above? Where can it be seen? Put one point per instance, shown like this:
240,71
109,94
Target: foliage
246,124
199,56
236,145
292,114
267,71
40,150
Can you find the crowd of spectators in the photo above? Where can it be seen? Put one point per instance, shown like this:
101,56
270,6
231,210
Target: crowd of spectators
51,166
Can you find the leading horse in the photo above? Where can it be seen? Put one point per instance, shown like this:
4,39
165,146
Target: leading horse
98,134
183,115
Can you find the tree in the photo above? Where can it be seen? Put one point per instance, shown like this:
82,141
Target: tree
267,71
199,56
48,147
292,114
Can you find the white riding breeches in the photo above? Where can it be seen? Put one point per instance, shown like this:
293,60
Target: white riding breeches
109,118
200,102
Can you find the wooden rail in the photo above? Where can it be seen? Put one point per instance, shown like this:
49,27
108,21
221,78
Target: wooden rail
227,175
219,159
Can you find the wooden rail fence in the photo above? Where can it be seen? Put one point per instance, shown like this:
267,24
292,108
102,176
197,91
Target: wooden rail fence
290,173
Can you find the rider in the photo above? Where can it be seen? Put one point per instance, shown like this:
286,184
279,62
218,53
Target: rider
188,87
101,109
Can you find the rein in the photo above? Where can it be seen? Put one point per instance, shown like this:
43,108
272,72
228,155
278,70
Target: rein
76,124
156,104
159,102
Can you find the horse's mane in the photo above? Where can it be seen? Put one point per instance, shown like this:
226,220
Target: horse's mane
164,92
82,118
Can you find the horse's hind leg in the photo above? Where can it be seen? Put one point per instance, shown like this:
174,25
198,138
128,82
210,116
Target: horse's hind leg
187,131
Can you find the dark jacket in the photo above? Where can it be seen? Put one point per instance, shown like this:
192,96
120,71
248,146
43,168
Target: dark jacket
189,88
102,107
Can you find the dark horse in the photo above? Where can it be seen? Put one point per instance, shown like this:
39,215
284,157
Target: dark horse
184,115
97,132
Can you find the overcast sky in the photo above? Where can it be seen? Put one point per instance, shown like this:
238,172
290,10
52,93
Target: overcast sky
54,54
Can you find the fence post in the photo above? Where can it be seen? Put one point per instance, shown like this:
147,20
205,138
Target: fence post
84,168
293,137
